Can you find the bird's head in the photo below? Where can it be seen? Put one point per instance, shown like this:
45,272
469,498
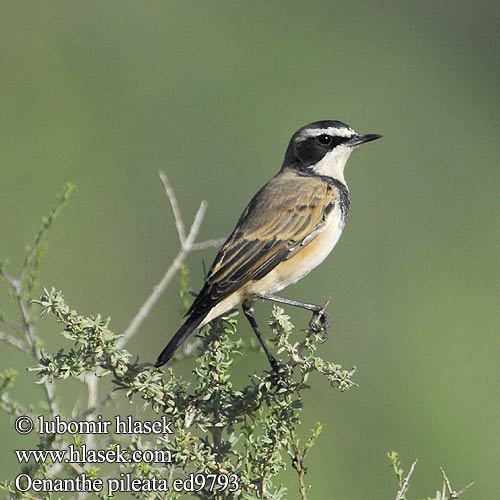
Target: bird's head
323,148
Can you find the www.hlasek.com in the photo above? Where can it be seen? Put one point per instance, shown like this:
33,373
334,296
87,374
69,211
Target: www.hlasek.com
82,454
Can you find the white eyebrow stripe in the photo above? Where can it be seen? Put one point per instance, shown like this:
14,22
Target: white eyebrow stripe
315,132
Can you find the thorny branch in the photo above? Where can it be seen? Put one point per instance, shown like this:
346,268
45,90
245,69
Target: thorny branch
17,284
22,286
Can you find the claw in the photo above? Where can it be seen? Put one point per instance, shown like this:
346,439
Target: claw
320,321
325,336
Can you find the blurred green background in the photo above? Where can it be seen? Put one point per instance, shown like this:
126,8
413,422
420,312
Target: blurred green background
105,94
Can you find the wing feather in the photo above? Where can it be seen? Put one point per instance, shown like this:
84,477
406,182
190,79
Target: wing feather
283,217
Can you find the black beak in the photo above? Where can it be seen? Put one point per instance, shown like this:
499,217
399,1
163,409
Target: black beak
361,139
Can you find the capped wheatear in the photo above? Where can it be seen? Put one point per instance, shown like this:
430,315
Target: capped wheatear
288,228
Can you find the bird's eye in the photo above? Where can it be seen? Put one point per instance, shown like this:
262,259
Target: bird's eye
325,140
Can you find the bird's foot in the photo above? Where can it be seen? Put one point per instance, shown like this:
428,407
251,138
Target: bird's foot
320,322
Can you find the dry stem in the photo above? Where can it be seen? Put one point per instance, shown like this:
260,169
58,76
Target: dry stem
187,245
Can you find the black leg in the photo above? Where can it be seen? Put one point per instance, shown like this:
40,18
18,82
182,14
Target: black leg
249,313
320,319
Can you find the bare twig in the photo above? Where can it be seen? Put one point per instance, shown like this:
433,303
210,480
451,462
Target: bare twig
453,494
179,224
92,396
13,325
207,244
57,467
92,393
32,341
188,245
163,283
404,485
10,280
464,489
9,339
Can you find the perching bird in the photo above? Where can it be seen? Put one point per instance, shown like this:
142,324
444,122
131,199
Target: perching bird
287,229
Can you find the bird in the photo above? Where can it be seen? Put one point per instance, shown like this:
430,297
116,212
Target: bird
289,227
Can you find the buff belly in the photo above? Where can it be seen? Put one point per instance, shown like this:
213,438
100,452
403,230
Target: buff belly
304,261
289,271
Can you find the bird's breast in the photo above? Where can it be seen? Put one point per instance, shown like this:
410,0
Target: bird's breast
305,259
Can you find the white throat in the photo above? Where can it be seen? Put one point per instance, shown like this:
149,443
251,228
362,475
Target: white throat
333,163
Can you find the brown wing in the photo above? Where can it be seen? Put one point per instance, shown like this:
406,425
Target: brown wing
283,217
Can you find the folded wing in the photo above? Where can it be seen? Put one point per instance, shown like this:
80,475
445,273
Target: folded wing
282,218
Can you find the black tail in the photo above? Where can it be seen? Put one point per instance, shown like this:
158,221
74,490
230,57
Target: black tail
179,338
